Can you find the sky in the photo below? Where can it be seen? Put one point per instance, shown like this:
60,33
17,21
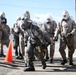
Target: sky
14,8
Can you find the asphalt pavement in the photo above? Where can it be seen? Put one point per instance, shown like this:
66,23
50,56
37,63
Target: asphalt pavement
17,67
55,68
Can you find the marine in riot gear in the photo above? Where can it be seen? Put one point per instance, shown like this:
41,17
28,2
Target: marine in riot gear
33,37
66,28
50,26
5,31
16,32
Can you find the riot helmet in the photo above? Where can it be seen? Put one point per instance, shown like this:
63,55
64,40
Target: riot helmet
27,14
65,15
2,14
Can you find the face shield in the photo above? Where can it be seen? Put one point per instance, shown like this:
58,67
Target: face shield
2,14
24,24
65,15
27,14
48,18
18,18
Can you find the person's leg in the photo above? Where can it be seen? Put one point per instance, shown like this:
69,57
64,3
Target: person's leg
2,51
62,51
39,53
29,58
52,50
1,45
71,50
46,54
21,47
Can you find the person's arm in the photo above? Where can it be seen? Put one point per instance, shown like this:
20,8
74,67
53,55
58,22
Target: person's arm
57,31
74,28
43,36
25,38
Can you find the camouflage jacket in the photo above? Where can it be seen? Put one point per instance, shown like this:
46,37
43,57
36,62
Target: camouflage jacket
35,35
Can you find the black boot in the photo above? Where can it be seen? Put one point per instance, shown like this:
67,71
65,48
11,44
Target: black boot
29,69
46,58
17,57
21,57
71,63
63,62
2,53
51,60
25,64
34,58
16,53
43,64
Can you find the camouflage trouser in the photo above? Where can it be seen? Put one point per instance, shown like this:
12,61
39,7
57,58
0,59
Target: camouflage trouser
29,55
21,45
69,42
15,41
18,45
1,50
4,40
15,45
52,48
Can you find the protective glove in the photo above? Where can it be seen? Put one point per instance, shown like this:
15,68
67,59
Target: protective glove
63,34
69,35
55,38
25,44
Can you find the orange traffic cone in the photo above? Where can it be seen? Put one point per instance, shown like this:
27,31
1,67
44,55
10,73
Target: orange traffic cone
8,57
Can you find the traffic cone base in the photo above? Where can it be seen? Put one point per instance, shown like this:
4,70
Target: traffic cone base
8,57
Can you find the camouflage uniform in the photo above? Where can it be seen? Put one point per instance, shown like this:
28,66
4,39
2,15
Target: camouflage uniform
33,38
16,41
50,27
3,22
66,29
15,38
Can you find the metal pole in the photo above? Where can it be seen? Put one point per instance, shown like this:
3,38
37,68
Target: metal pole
75,9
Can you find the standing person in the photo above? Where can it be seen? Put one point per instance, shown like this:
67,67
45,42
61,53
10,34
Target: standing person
50,27
66,28
3,21
16,32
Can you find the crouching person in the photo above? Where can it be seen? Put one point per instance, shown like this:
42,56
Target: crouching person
34,39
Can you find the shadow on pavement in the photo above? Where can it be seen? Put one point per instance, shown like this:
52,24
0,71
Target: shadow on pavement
55,67
66,69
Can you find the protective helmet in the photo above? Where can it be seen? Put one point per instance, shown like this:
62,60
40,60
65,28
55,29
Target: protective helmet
2,14
26,14
65,15
18,18
48,18
25,23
